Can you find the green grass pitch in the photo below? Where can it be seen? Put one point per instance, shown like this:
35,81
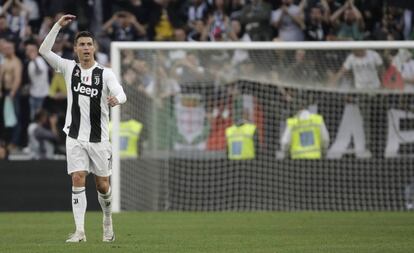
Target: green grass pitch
249,232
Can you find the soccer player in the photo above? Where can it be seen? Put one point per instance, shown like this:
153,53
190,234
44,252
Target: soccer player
91,89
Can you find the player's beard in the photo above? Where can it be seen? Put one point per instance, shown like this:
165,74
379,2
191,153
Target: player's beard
87,57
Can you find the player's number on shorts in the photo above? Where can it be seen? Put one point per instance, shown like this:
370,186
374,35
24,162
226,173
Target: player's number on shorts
307,139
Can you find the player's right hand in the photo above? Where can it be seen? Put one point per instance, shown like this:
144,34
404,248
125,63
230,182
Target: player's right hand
66,19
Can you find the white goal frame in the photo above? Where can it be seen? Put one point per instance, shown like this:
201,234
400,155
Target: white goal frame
116,47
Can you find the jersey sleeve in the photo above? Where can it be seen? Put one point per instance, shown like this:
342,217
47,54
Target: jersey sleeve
57,62
115,88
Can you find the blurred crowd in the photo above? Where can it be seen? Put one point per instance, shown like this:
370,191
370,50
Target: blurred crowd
33,96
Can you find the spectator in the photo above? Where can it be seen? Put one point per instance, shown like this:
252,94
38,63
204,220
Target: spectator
407,73
317,26
371,11
395,21
123,26
199,32
16,19
141,10
129,78
255,17
188,70
180,34
34,14
143,73
164,86
39,78
402,56
352,25
197,11
218,24
302,71
391,25
101,57
391,78
329,5
6,33
238,33
334,5
10,81
57,94
41,138
164,17
51,7
235,9
408,23
289,21
44,29
366,66
56,102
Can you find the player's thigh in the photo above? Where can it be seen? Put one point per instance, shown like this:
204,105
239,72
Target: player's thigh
100,155
76,155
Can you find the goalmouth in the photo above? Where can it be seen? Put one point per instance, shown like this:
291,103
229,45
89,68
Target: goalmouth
192,91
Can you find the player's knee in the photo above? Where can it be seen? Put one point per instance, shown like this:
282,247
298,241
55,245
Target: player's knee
78,179
102,187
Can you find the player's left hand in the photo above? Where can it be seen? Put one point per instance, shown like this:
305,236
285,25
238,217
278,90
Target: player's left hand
112,101
66,19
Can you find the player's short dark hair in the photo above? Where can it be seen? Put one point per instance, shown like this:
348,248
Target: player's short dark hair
82,34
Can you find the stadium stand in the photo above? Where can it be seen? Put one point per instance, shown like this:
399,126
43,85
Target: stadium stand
24,23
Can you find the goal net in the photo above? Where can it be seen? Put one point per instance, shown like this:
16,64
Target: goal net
185,95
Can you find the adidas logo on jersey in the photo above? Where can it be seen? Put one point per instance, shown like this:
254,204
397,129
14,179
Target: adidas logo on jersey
86,90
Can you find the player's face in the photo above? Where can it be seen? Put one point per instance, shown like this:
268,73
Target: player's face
85,49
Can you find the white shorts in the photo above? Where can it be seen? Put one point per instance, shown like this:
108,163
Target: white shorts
87,156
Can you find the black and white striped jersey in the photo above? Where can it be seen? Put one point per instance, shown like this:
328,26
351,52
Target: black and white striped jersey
87,113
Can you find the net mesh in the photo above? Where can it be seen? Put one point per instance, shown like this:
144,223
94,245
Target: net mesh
186,98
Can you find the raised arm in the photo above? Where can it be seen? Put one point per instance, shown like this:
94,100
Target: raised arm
298,18
45,49
117,95
107,26
337,14
326,11
138,26
358,15
6,6
338,75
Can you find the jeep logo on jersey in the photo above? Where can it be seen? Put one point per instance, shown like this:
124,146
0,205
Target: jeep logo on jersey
86,90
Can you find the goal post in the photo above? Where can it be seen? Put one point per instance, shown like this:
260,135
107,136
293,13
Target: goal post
186,94
115,119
